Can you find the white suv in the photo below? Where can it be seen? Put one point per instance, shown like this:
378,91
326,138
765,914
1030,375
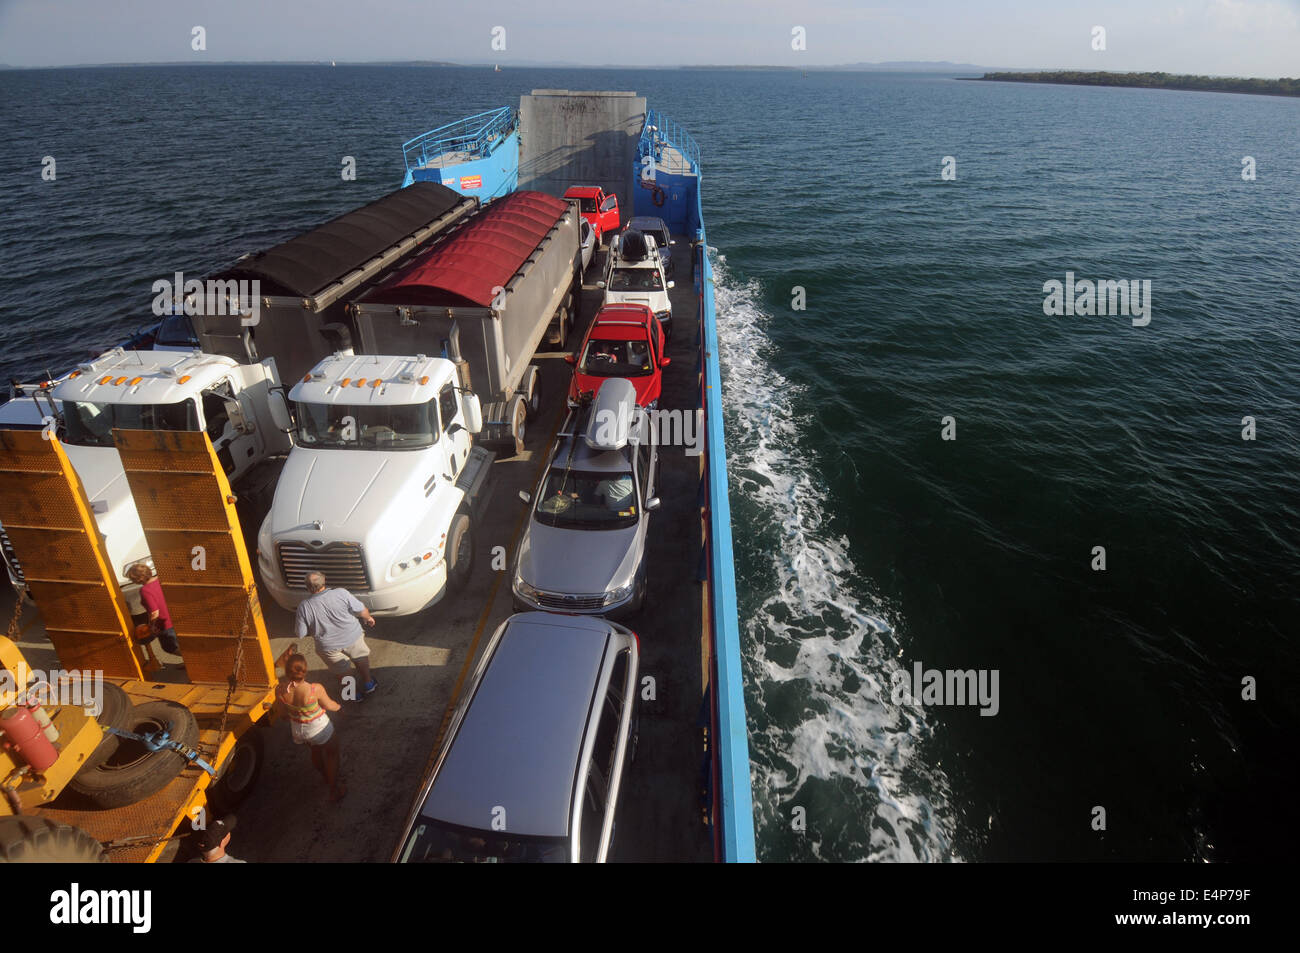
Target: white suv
634,274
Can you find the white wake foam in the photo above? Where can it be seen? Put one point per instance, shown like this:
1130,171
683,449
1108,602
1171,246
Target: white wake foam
818,607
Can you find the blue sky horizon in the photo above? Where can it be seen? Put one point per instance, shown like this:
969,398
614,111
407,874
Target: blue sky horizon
1259,38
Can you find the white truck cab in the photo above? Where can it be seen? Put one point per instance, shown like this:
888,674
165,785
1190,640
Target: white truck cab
238,405
380,488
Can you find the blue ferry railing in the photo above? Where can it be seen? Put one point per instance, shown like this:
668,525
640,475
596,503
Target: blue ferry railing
658,131
730,728
473,135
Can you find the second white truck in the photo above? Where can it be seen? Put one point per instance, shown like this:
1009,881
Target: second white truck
382,489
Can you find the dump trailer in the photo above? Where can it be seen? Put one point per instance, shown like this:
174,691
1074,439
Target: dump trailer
134,762
303,285
485,298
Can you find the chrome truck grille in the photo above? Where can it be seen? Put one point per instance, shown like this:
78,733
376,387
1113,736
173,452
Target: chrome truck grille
344,565
553,600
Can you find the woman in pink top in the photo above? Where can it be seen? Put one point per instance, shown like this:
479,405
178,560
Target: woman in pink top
151,594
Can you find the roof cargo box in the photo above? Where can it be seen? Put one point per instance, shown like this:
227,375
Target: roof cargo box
303,284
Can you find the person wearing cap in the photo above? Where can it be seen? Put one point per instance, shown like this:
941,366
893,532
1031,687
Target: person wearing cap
212,841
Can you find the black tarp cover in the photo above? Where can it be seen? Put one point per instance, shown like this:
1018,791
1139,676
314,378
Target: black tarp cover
306,265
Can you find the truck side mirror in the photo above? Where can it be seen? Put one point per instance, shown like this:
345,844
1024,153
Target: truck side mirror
279,411
525,496
235,414
570,359
665,361
672,285
473,411
652,504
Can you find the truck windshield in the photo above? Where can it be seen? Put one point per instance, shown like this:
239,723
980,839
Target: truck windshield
91,425
175,330
435,842
635,279
587,205
607,358
575,499
378,427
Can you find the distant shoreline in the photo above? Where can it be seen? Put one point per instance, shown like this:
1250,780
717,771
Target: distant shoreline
1202,84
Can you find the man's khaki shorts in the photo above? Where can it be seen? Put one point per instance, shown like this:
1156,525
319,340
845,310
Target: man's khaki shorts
340,660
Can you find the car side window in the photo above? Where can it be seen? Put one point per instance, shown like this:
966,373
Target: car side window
593,810
643,465
448,405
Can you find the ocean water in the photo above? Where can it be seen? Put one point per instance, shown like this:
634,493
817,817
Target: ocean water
866,543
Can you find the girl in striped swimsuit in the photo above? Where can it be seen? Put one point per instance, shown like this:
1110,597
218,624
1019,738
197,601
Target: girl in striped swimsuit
307,706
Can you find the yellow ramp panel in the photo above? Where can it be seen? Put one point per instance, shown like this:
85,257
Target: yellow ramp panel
45,512
187,510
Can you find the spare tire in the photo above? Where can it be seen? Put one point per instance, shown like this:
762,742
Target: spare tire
133,772
114,713
38,840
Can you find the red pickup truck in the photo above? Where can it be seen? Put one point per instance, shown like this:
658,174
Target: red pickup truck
598,208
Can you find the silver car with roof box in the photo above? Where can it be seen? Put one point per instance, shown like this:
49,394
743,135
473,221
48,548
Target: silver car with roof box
584,548
532,764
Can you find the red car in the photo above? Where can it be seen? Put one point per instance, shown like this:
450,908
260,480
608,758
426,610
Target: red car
598,208
624,340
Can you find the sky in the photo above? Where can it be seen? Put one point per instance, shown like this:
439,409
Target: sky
1217,37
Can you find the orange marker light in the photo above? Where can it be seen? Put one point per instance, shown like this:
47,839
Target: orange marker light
182,379
106,379
306,377
376,382
134,381
424,380
118,381
428,555
361,382
345,382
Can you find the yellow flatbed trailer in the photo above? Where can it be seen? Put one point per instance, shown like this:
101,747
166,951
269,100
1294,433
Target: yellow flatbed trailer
188,514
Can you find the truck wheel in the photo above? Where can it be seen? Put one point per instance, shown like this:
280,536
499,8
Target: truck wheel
238,774
460,553
114,713
133,772
535,398
38,840
517,414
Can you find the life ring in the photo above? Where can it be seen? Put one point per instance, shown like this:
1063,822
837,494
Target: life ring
657,196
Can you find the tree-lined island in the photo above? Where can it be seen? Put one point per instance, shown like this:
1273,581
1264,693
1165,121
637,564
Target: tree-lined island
1205,84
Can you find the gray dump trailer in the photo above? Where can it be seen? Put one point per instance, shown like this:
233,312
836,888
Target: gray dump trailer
305,283
485,298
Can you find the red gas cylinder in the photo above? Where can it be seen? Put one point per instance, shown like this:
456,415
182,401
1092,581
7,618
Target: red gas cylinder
23,735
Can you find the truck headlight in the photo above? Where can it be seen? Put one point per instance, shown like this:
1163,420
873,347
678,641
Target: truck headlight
420,562
619,594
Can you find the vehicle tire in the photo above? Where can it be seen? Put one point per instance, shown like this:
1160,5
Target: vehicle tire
133,772
639,603
38,840
535,398
517,414
238,774
115,713
460,553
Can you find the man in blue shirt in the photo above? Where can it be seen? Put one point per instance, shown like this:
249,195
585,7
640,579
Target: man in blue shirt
330,617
